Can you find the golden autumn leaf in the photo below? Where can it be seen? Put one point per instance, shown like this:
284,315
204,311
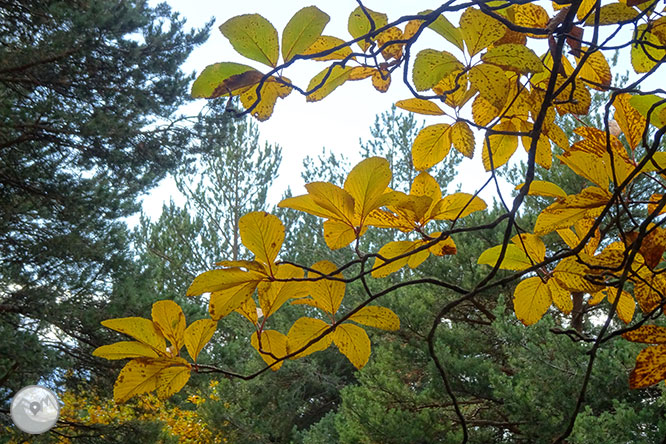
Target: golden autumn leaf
271,90
420,106
514,258
483,112
367,183
338,234
125,349
532,245
271,344
225,301
170,319
561,297
545,189
595,70
262,234
650,367
563,214
197,335
379,317
631,122
498,148
491,82
273,294
514,57
457,205
479,30
143,375
389,251
425,185
331,46
221,280
462,139
626,306
431,66
531,300
431,145
572,275
647,334
612,14
141,329
305,330
530,15
353,342
327,294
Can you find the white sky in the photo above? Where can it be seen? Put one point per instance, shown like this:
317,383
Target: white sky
302,128
338,121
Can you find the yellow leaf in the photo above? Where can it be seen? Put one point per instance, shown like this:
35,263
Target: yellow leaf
361,72
271,90
141,329
631,122
625,306
125,349
571,275
224,79
647,334
530,15
455,89
338,234
532,245
197,335
531,300
420,106
584,9
444,247
595,70
220,280
545,189
390,50
483,112
307,204
273,294
353,342
650,367
514,258
366,183
248,310
327,81
302,332
492,83
543,156
262,234
431,66
502,146
563,214
254,37
273,345
457,205
170,319
302,31
431,146
586,165
462,138
479,30
359,25
569,237
327,294
425,185
248,265
649,290
389,251
561,297
647,51
333,200
379,317
327,43
225,301
514,57
612,14
381,81
143,375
